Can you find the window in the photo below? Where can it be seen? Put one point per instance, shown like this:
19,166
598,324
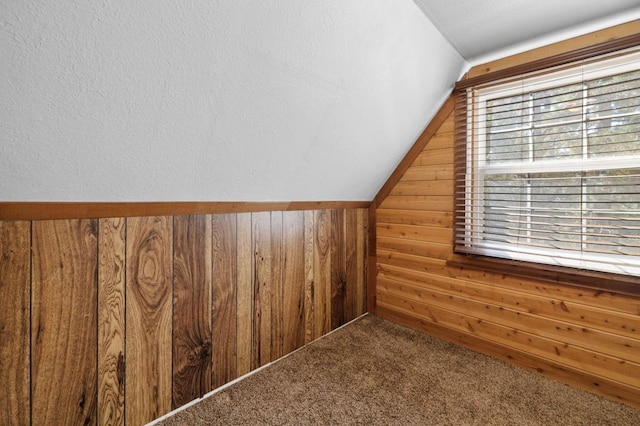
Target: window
549,170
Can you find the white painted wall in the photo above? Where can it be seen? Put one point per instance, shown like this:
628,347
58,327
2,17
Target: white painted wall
213,100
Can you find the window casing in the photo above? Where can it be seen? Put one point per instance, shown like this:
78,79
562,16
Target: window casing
551,167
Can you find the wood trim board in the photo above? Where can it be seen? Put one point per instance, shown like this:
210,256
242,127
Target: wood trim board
38,210
588,52
572,44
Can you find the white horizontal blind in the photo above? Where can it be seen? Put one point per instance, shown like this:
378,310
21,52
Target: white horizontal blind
550,170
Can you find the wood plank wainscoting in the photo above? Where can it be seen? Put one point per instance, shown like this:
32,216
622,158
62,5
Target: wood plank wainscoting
586,338
590,339
108,320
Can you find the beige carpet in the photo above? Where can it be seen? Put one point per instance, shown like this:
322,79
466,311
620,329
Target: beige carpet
373,372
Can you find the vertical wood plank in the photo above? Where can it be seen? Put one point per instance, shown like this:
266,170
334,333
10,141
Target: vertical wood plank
277,284
64,322
245,293
294,281
111,321
361,261
224,299
309,276
148,318
261,354
371,259
15,288
338,275
191,308
322,273
351,265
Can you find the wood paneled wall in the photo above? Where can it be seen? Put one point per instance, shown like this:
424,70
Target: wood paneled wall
586,338
120,320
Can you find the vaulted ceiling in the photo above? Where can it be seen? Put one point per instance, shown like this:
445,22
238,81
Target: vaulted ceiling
220,100
481,28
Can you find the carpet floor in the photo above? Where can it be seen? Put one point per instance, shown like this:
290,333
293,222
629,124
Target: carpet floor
374,372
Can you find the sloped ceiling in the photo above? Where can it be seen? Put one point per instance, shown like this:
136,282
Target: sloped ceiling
482,28
213,100
220,100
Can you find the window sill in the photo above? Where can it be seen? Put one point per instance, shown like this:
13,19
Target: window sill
592,280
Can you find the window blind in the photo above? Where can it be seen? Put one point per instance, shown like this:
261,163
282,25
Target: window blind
548,166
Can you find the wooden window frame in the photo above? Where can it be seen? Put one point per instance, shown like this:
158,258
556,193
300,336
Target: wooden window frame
586,279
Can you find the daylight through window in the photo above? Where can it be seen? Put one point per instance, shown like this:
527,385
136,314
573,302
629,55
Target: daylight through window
551,167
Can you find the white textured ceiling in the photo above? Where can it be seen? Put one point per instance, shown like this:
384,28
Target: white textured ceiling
477,28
